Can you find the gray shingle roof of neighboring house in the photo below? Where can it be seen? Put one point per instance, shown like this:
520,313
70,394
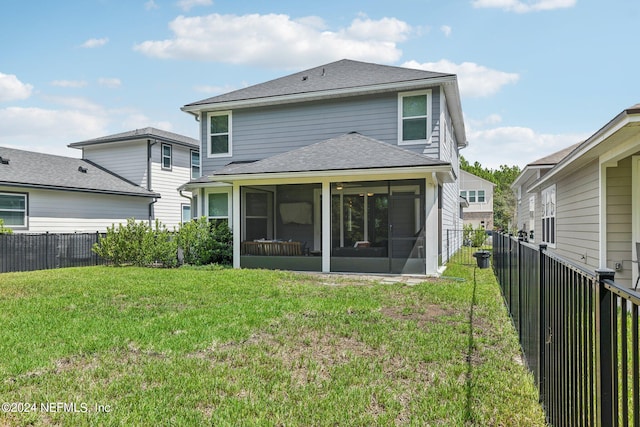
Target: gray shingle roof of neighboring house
343,74
145,133
346,152
554,158
47,171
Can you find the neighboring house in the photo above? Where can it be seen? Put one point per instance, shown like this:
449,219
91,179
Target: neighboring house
157,160
47,193
526,200
478,192
346,167
588,209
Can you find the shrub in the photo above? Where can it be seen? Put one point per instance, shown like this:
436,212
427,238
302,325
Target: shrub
3,229
138,244
203,242
475,238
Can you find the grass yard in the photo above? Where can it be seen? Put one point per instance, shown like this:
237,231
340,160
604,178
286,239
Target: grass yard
133,346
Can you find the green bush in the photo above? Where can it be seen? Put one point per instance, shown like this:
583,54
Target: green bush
137,243
474,237
203,242
3,229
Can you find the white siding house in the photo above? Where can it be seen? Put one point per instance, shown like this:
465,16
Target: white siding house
157,160
478,192
46,193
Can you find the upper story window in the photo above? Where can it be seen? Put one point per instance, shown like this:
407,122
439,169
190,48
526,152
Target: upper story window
13,209
195,164
463,194
472,196
548,199
481,198
167,156
414,114
219,140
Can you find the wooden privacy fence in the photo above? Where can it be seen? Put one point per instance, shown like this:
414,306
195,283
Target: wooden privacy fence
28,252
578,331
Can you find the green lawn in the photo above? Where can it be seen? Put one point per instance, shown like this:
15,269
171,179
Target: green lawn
132,346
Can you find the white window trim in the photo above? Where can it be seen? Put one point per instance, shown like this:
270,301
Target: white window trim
230,133
182,207
191,153
484,196
25,224
543,216
162,157
401,95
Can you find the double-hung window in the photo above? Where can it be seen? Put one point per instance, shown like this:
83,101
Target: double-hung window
472,196
549,215
166,156
481,198
414,115
13,209
195,164
463,194
219,140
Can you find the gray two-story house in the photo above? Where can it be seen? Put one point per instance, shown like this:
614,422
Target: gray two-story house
346,167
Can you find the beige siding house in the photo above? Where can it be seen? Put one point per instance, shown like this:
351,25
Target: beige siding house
587,206
478,192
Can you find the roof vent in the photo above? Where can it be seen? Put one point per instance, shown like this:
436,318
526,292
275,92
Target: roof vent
4,161
304,78
81,169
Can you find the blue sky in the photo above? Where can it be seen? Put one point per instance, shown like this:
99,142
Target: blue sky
535,75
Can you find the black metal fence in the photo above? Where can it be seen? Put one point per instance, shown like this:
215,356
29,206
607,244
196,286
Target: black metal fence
579,333
28,252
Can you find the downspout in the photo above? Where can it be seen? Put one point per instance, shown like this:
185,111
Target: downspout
149,163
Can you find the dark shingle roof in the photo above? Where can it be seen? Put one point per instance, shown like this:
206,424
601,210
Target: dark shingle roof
31,169
554,158
343,74
346,152
144,133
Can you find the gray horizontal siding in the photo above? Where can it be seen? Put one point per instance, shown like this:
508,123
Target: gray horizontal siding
262,132
619,220
578,215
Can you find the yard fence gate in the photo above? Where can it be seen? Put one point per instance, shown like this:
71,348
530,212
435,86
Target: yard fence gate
28,252
578,331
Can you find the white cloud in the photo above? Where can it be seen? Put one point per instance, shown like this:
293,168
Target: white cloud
516,145
151,4
12,89
92,43
69,83
109,82
186,5
446,30
474,80
277,40
137,120
524,6
48,130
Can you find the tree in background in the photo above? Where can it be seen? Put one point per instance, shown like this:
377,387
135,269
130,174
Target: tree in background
504,201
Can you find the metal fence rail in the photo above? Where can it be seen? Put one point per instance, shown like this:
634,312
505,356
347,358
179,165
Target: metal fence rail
28,252
578,331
